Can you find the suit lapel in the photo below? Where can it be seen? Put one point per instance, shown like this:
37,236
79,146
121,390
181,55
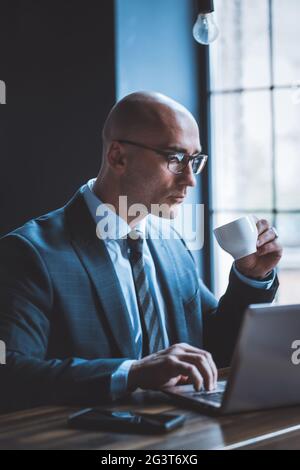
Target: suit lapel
96,260
162,258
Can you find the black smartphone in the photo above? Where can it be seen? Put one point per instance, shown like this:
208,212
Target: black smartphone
124,421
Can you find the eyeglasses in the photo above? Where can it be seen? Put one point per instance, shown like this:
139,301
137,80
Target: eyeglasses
178,161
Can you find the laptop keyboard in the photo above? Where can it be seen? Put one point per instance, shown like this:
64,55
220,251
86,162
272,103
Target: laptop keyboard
216,397
213,398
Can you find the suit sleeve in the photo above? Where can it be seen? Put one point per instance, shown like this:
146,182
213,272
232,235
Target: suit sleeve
29,378
222,320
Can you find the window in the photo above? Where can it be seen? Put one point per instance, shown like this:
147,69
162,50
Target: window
255,115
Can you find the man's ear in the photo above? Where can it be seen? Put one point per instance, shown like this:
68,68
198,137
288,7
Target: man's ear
116,158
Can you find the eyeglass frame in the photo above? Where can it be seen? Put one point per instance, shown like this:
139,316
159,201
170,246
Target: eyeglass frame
170,155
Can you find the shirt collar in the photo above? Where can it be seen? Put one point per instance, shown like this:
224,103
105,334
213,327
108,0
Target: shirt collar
110,226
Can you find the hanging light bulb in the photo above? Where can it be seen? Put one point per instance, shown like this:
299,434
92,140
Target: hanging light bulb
205,29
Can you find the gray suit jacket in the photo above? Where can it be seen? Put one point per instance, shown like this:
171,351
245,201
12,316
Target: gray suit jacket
64,319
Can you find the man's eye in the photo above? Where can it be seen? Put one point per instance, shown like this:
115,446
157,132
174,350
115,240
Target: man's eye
176,158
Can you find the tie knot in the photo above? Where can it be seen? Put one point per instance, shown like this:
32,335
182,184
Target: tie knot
135,242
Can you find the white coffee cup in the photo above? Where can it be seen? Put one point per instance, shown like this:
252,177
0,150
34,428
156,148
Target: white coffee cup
239,237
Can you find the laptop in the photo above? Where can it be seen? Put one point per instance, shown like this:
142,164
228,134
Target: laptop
265,370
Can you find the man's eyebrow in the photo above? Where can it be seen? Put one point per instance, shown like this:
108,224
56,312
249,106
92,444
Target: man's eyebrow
174,148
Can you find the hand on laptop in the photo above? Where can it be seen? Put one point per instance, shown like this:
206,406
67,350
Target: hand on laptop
178,364
258,265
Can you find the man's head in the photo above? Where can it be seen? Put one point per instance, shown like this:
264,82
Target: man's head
153,120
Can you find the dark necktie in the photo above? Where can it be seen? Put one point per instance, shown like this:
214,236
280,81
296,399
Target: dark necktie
152,336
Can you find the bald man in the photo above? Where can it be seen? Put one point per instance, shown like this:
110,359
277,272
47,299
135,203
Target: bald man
96,301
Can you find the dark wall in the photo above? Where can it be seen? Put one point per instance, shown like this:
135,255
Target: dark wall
58,61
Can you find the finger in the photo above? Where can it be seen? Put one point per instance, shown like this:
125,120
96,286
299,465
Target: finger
189,348
201,362
212,365
271,247
262,225
208,357
184,379
213,368
190,370
265,237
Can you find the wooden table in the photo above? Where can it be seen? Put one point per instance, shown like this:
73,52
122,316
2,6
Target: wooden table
46,428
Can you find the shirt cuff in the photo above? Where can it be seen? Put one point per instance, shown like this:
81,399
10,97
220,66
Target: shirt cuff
118,384
263,284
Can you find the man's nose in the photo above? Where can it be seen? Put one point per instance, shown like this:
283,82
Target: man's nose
188,175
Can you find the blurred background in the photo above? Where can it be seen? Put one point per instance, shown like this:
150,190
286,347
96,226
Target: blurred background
65,63
254,91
